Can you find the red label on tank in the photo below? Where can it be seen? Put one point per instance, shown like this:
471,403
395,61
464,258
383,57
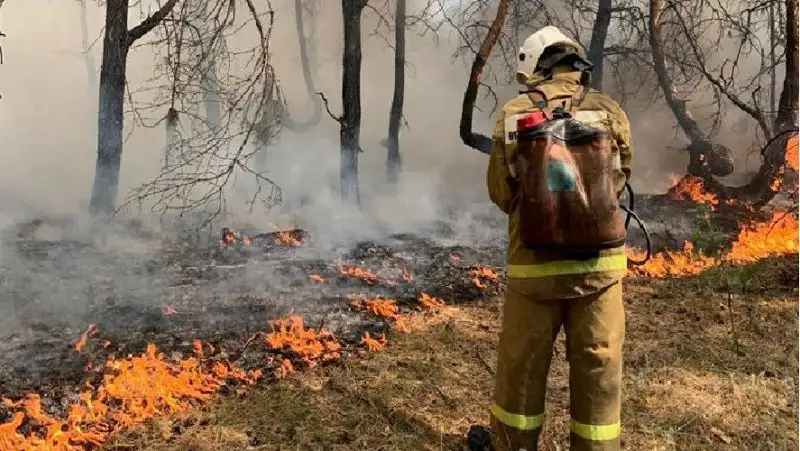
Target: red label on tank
530,120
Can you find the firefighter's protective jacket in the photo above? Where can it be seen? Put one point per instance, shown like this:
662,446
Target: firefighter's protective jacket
551,275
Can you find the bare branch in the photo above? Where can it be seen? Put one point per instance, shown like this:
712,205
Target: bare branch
328,109
150,22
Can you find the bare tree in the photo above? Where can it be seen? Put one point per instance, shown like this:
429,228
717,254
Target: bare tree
207,155
86,50
393,159
265,132
117,42
350,119
2,35
303,40
698,32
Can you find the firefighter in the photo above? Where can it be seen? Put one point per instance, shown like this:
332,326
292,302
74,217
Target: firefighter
546,290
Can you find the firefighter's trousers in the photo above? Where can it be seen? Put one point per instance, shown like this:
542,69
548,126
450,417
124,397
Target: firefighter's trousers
594,326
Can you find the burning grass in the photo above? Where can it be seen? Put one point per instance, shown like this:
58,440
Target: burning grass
129,391
132,391
755,241
691,188
688,385
310,345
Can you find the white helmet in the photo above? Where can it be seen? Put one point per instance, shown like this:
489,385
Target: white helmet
534,46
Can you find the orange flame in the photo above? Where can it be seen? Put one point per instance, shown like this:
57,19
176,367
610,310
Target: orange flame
386,308
792,154
284,369
287,238
309,345
778,236
168,310
691,188
197,347
430,302
89,332
316,278
232,238
133,391
482,274
358,273
373,344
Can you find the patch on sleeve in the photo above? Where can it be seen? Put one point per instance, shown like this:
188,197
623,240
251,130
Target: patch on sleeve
590,116
511,128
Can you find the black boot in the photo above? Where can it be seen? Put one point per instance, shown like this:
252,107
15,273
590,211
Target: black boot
479,439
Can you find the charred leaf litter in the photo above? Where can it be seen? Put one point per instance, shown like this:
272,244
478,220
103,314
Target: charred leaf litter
222,295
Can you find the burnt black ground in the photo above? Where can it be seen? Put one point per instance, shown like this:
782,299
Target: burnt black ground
50,291
221,297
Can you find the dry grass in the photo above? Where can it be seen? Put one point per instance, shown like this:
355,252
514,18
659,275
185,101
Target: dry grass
688,386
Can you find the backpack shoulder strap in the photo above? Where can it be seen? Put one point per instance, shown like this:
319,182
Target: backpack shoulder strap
577,98
542,101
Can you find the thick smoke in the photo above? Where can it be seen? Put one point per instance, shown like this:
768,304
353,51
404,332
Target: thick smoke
48,121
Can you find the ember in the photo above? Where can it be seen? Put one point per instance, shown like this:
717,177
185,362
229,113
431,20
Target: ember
287,238
231,238
358,273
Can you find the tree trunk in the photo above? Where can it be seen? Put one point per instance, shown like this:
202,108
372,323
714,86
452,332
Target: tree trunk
116,43
88,59
787,105
110,108
350,130
393,160
477,141
308,78
172,139
211,98
597,45
705,158
773,42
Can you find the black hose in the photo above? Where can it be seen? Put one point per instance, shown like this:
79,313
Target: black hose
631,204
630,211
649,254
